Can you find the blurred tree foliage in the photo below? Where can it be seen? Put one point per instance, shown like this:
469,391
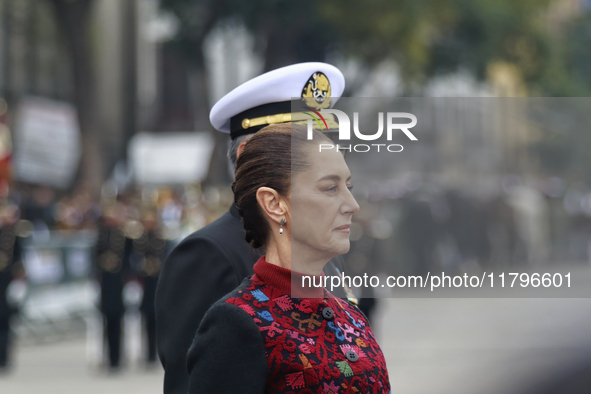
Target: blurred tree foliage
425,37
567,146
286,31
431,37
577,52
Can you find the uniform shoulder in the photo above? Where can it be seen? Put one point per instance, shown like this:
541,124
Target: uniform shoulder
214,230
226,235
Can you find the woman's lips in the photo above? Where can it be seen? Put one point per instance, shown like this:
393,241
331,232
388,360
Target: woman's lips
346,228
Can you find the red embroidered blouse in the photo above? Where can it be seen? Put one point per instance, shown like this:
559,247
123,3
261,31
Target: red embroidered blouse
258,339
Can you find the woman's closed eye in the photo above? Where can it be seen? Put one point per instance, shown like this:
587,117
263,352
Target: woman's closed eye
335,188
332,189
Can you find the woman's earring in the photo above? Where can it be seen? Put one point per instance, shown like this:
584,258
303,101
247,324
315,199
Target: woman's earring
281,228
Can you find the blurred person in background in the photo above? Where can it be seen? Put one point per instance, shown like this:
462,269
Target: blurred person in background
421,233
531,210
11,268
151,246
468,225
194,211
39,208
112,261
213,261
171,207
76,212
503,233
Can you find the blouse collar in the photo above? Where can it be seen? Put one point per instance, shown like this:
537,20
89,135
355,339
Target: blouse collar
288,281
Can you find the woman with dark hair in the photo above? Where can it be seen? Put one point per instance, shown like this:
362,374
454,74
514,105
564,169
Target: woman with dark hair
272,334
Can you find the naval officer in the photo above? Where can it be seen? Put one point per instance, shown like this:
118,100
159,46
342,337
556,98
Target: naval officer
211,262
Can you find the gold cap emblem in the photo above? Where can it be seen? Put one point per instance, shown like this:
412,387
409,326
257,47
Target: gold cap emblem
316,92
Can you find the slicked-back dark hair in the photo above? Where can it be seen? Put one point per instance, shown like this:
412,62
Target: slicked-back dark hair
269,159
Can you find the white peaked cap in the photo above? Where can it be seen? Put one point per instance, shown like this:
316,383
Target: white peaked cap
257,96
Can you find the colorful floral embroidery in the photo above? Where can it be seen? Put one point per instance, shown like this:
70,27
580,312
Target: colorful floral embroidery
259,295
284,302
345,368
307,353
330,388
266,315
295,380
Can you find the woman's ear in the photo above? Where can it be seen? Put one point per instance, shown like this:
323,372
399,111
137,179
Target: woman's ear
272,204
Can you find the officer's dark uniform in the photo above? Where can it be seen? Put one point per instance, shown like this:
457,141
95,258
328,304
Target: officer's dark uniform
10,262
112,253
203,268
152,247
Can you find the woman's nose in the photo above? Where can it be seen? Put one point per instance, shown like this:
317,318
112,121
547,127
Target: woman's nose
351,206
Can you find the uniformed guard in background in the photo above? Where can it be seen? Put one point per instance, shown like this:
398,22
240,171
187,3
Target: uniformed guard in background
211,262
11,268
112,259
151,249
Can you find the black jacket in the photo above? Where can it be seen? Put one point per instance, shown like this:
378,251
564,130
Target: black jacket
203,268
